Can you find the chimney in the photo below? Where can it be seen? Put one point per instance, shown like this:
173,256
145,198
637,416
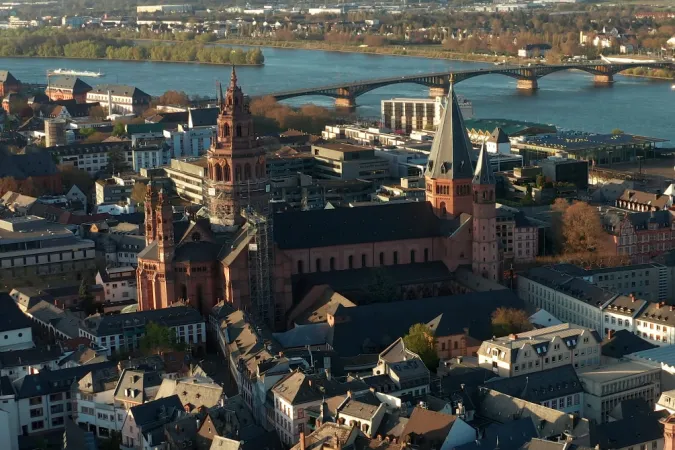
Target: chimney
302,440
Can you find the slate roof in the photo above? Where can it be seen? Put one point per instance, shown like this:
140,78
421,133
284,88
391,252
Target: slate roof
12,318
499,137
156,413
32,164
298,388
659,201
30,356
365,224
194,392
133,385
640,426
7,77
201,117
120,90
171,317
623,343
538,387
74,84
504,436
53,381
75,438
569,285
427,429
82,149
6,387
483,175
371,328
451,149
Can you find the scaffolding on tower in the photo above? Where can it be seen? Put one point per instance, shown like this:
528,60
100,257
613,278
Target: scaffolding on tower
260,260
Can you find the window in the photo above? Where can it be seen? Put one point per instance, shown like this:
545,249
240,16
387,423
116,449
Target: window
426,255
37,412
55,397
331,263
382,258
412,256
56,409
351,261
318,264
301,413
363,260
37,425
395,257
301,267
35,401
57,421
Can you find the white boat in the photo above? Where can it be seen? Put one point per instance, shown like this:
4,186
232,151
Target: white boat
673,87
78,73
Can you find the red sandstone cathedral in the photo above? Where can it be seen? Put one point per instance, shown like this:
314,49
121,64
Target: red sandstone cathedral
243,255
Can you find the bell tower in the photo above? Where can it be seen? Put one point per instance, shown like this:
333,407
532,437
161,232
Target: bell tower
150,214
449,170
485,250
165,238
237,175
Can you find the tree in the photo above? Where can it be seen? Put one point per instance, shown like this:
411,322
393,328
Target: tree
617,131
97,112
138,192
86,299
159,338
178,98
581,228
541,180
120,129
117,162
527,199
509,321
420,339
382,287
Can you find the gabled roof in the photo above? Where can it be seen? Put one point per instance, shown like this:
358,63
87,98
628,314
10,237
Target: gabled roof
7,77
53,381
623,343
12,318
120,90
30,356
74,84
538,387
203,117
343,226
194,392
450,152
156,413
427,429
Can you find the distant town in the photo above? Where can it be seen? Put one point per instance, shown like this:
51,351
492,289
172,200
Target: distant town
238,271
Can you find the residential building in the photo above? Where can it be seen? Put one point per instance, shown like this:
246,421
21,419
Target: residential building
119,99
9,417
96,410
518,234
656,324
542,349
641,201
92,158
19,363
136,387
408,114
119,283
114,189
150,154
67,88
298,391
194,393
15,327
187,142
144,425
568,298
620,313
8,83
534,50
558,388
400,372
55,324
124,332
623,343
640,235
31,170
563,170
289,162
121,250
44,399
327,435
348,162
650,281
164,9
31,246
609,385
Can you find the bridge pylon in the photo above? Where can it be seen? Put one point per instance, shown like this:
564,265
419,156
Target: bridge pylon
527,84
603,79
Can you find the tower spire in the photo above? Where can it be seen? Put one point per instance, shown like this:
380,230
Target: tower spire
219,94
483,174
233,77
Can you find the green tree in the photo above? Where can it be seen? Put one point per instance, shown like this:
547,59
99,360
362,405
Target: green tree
541,180
119,129
420,339
159,338
382,287
86,299
509,321
527,199
617,131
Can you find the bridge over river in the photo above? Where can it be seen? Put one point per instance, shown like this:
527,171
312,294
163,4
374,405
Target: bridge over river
345,94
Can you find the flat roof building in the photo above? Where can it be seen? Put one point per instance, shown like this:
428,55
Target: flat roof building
348,162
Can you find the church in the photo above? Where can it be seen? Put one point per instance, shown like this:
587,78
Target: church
245,255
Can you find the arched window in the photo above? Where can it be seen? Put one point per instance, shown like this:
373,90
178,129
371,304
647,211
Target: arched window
426,255
412,256
238,130
183,292
227,176
443,210
395,257
318,264
247,171
301,266
237,173
382,258
218,172
331,263
226,130
351,261
364,263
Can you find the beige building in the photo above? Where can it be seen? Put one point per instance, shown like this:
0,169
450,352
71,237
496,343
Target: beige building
519,235
607,386
542,349
410,114
651,281
187,176
348,162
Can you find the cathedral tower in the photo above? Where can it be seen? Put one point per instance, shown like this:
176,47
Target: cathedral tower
449,170
484,223
165,238
237,176
150,217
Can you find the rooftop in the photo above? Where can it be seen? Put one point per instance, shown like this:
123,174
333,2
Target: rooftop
170,317
540,386
577,141
612,372
623,343
343,148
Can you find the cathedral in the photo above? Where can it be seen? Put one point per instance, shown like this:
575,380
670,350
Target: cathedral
246,256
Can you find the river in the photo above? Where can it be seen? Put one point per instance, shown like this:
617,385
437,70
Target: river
566,99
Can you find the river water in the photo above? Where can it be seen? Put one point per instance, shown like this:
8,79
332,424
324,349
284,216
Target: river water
568,99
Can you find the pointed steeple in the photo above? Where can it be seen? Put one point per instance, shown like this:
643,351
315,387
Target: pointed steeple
219,95
233,78
483,174
449,158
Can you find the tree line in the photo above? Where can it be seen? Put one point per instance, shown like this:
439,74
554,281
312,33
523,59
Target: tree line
94,46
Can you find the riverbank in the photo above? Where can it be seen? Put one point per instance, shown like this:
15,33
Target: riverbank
76,58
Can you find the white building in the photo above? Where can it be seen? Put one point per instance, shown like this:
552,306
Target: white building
114,332
149,156
96,408
189,142
126,206
9,417
119,283
19,363
656,324
409,114
15,328
188,176
92,158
